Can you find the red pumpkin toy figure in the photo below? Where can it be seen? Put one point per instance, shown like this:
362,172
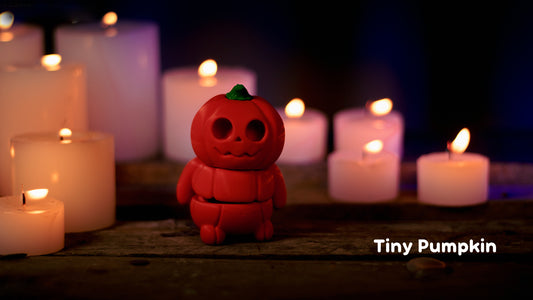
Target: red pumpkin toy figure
233,183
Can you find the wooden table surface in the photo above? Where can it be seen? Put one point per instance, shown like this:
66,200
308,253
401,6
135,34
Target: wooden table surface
321,249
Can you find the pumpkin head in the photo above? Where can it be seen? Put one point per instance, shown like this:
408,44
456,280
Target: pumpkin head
237,131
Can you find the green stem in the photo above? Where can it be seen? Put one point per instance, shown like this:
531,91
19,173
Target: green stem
239,92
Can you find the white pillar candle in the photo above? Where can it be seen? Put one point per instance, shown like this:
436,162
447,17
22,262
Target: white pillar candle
453,178
367,176
35,227
305,134
185,90
78,169
123,70
353,128
38,98
20,44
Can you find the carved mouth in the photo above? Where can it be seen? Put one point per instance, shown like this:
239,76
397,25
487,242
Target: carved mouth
228,153
215,201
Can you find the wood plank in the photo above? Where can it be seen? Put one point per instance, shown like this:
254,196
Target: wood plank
321,249
81,277
340,239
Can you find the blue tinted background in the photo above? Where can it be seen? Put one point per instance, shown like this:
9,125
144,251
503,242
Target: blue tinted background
446,65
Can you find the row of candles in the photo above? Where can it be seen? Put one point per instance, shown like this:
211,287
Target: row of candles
109,82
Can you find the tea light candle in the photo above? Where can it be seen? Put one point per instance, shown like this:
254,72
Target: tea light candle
367,176
20,44
45,97
453,178
34,226
355,127
123,70
77,167
185,90
305,134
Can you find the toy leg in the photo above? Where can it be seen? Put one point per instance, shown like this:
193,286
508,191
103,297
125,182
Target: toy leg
206,216
265,231
212,235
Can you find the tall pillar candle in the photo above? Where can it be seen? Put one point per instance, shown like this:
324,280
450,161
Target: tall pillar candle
305,134
185,90
33,224
123,67
354,127
453,178
79,169
20,44
368,176
39,98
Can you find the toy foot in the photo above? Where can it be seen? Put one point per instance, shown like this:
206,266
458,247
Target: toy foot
265,231
212,235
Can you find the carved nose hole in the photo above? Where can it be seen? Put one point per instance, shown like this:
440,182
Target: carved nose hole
238,139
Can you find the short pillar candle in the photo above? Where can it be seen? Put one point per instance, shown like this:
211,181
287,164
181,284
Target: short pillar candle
77,167
370,176
123,72
453,178
39,97
31,224
354,127
305,134
185,90
20,44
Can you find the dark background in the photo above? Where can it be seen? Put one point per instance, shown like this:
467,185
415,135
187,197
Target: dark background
445,64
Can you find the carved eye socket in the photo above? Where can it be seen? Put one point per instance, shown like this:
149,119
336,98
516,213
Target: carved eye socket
222,128
255,130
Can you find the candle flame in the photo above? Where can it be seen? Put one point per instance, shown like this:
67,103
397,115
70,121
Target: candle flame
37,194
461,141
380,107
295,108
65,133
207,71
51,62
6,20
208,68
109,19
374,146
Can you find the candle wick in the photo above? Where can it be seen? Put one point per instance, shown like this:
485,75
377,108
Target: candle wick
365,155
23,199
449,149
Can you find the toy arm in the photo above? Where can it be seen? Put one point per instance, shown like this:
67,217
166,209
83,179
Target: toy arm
280,190
184,191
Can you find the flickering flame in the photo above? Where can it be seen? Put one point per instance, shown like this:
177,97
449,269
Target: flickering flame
374,146
207,71
6,20
295,108
109,19
208,68
461,141
37,194
380,107
64,134
51,62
